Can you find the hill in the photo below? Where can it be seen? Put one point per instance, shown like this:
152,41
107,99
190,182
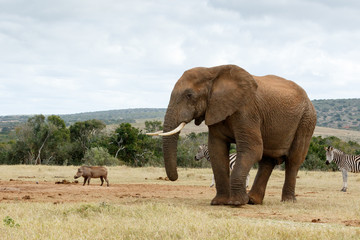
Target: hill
108,117
116,116
338,113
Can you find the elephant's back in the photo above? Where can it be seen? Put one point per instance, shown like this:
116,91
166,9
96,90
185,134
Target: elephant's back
272,85
282,105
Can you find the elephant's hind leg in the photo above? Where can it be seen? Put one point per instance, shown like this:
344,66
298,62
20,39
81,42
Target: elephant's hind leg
288,191
257,192
297,154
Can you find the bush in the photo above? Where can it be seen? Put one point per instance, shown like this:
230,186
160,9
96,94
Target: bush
98,156
187,149
315,159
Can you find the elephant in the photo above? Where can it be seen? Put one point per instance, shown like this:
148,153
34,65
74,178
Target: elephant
270,119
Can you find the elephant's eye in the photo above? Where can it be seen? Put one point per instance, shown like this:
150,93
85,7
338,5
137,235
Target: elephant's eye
189,94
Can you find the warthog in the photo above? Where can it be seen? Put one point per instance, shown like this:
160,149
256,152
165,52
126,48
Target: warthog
92,172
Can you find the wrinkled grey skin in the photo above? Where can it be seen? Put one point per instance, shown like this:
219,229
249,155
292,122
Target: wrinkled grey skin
270,119
92,172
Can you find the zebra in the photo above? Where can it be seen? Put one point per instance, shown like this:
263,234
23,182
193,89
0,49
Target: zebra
203,152
345,162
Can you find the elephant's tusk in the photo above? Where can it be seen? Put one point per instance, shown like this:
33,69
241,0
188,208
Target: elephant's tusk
154,134
176,130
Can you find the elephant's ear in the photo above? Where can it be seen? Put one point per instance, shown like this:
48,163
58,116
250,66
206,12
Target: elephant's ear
232,87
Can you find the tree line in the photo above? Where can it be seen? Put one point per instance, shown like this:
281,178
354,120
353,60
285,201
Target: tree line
47,140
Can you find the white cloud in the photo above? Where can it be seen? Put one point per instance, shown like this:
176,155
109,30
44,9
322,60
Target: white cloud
77,56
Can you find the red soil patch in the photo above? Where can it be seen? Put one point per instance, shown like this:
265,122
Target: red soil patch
11,191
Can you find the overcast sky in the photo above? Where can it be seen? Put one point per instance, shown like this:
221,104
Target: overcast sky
71,56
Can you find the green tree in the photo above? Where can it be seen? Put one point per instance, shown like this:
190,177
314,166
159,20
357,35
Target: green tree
151,150
133,147
41,133
83,135
40,140
5,149
125,143
32,137
153,126
59,141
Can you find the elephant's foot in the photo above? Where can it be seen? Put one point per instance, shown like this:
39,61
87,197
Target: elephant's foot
238,200
256,197
288,195
255,200
220,200
288,198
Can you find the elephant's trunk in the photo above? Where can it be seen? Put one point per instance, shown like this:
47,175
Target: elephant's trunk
170,156
170,147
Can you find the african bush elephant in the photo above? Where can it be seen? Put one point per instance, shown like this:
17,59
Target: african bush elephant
270,119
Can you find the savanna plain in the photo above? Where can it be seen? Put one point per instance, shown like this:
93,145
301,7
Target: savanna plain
44,202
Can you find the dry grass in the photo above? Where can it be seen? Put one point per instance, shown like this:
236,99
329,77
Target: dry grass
156,220
345,135
321,212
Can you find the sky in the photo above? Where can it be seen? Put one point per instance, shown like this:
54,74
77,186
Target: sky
67,56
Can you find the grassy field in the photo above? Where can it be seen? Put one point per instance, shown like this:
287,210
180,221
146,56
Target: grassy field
140,204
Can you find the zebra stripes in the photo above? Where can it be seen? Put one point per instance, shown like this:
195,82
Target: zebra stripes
345,162
203,152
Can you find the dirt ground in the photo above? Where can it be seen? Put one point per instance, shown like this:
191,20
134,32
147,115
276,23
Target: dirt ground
70,192
31,191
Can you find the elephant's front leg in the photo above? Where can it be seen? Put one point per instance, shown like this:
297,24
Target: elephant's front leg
219,155
244,162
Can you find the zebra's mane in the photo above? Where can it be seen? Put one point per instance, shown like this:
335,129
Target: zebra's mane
339,152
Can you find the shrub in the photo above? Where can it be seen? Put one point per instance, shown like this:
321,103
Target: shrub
8,221
99,156
315,159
